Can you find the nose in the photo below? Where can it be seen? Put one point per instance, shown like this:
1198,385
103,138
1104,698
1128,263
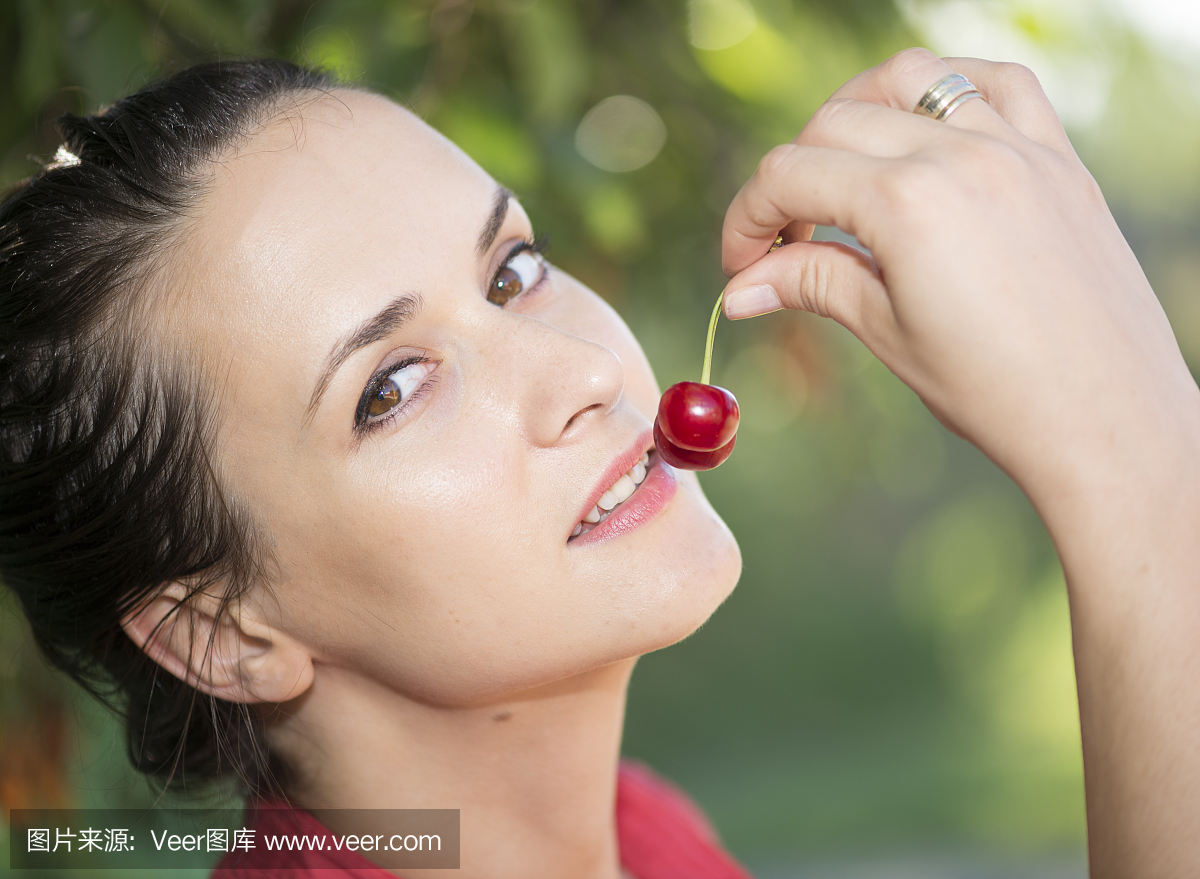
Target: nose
558,383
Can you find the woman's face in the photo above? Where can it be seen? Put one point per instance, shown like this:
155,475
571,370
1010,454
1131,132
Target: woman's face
421,413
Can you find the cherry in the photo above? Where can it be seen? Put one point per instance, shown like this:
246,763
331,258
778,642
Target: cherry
689,459
698,417
697,423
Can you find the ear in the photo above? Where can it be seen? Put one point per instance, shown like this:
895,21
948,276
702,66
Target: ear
249,660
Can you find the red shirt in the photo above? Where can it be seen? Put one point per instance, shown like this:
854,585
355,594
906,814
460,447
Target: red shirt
661,834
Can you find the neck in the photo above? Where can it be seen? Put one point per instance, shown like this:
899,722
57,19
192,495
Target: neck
534,774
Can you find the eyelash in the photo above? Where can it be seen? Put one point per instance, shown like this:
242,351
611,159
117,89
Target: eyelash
362,422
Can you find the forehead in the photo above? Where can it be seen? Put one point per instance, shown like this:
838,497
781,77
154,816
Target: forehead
339,204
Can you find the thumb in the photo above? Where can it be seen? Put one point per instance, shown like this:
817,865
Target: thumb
823,277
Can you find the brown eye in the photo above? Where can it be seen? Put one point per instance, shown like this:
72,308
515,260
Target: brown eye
506,286
383,399
385,394
522,271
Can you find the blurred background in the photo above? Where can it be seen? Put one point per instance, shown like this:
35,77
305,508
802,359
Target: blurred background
889,691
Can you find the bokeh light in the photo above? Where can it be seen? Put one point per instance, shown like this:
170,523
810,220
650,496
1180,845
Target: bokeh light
621,133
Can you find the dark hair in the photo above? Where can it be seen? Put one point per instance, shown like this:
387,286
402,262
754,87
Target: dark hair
108,489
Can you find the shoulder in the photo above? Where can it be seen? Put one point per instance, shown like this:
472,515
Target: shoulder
277,821
663,834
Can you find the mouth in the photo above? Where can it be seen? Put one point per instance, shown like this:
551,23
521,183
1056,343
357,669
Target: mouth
614,496
636,488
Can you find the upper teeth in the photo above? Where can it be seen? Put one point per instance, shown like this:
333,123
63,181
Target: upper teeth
620,491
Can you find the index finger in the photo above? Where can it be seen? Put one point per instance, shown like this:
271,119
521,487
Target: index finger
794,185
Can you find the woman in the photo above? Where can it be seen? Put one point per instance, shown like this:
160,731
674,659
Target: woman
293,408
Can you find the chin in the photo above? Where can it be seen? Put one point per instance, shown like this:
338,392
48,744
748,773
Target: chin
705,571
725,578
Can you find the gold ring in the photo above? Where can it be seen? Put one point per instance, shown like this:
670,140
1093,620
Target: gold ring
945,96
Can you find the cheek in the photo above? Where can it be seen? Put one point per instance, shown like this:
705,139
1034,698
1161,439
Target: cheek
387,516
427,574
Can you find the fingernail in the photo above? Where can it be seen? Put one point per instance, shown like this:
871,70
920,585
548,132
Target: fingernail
751,301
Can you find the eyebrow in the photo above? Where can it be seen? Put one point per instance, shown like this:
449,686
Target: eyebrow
399,311
495,220
391,318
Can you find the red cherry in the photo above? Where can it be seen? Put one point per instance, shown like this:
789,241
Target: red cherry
689,459
698,417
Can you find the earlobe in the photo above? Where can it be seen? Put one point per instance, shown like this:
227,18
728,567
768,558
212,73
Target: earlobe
225,652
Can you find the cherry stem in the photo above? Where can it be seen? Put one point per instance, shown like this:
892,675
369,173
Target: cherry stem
712,323
712,334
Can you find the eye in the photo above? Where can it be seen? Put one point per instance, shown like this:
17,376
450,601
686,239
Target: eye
391,389
520,272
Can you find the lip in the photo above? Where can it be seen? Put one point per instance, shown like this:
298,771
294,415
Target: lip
623,463
650,497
